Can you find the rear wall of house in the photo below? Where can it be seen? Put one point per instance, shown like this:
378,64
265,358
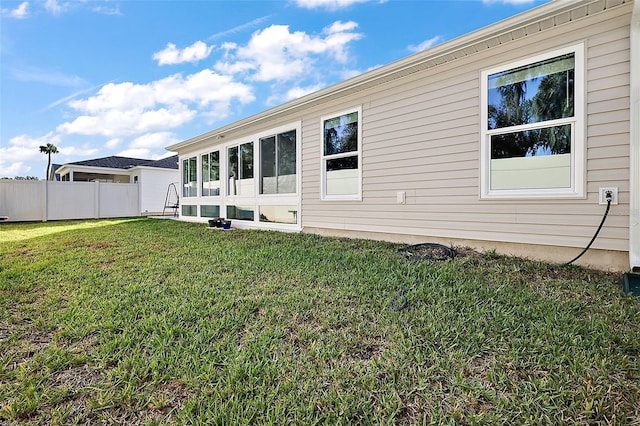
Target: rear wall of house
421,135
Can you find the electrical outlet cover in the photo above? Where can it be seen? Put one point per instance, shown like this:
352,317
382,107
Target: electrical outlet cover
603,195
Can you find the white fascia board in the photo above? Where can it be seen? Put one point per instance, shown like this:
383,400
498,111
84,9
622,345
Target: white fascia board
60,169
93,169
164,169
386,72
634,142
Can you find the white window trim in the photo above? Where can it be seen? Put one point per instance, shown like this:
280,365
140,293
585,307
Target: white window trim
201,176
275,132
578,143
323,158
182,183
257,199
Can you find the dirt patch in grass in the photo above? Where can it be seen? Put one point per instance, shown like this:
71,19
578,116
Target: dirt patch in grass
31,342
163,404
77,378
93,245
168,397
86,345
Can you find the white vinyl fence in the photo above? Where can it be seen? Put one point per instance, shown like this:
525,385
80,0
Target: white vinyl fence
23,201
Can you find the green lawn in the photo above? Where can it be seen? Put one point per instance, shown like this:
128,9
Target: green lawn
161,322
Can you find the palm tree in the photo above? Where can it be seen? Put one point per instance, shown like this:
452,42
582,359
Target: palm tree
49,149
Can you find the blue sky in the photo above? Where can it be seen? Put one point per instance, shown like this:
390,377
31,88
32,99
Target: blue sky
99,78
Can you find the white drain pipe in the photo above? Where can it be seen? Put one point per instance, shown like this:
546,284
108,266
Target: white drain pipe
634,145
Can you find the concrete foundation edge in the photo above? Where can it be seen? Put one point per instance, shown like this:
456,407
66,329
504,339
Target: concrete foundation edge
605,260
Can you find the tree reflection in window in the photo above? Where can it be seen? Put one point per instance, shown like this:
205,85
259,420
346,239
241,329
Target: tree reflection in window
341,134
534,93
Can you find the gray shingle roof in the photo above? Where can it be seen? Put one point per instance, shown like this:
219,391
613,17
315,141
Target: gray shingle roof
116,162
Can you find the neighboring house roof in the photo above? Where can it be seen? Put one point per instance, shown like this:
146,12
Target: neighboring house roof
536,20
116,162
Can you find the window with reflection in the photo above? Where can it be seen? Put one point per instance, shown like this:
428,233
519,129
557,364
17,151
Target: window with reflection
278,164
279,214
189,177
531,122
209,211
240,168
240,212
341,156
211,174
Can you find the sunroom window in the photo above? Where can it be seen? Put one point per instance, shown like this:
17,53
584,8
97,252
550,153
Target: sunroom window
189,177
341,174
240,167
532,140
211,174
278,164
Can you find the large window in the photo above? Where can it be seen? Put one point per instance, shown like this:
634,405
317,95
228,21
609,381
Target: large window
240,180
189,177
278,164
209,211
240,212
341,159
211,174
254,181
532,136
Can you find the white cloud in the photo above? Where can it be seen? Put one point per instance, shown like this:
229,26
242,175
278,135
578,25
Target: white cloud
113,123
172,55
339,26
126,109
11,170
238,67
113,11
293,93
53,7
71,96
73,152
113,143
19,12
23,150
327,4
154,140
275,53
56,8
135,153
425,44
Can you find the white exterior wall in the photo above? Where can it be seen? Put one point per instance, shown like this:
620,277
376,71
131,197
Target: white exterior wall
153,184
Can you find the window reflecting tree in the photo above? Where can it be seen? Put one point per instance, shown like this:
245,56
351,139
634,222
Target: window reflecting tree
534,94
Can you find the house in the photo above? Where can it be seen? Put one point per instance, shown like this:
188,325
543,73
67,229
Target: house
507,138
152,176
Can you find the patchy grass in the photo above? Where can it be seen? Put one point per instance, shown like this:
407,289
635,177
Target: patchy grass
161,322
